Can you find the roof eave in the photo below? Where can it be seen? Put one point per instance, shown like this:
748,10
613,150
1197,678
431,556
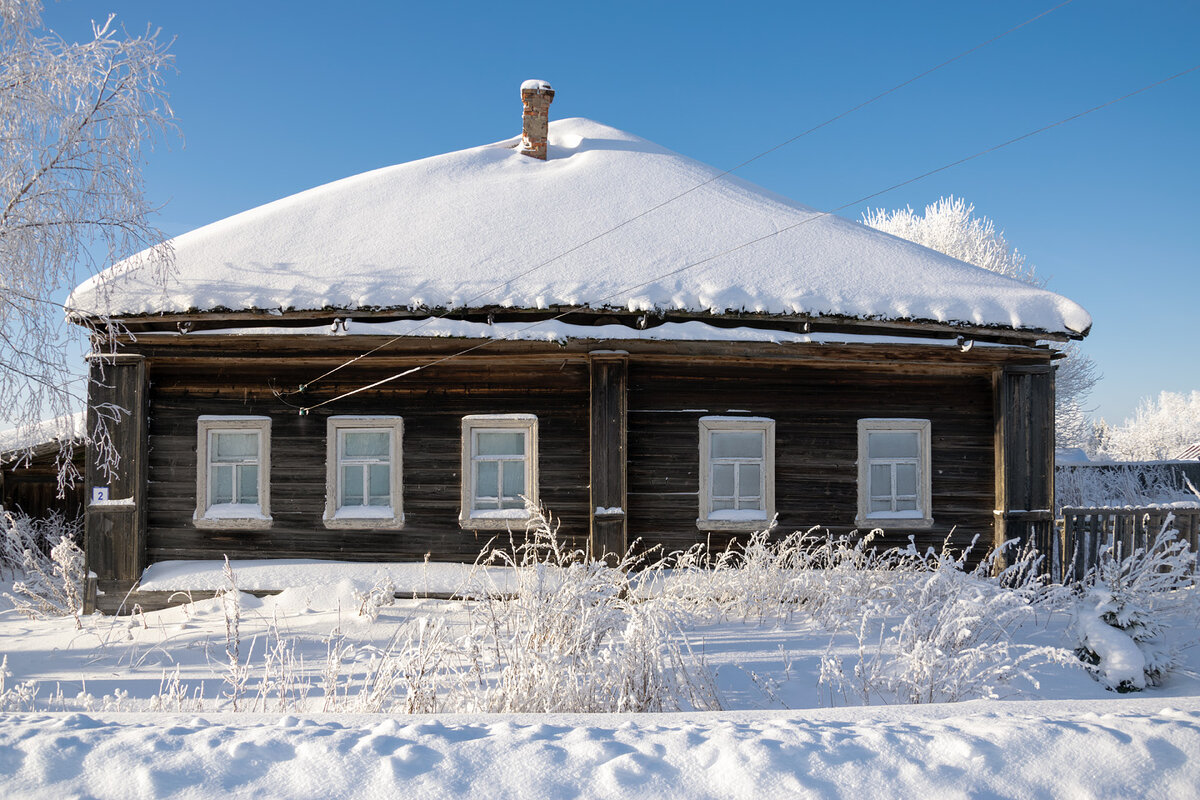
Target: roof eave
199,320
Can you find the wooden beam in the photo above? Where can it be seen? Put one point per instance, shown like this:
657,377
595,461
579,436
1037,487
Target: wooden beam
585,316
609,415
115,532
1024,458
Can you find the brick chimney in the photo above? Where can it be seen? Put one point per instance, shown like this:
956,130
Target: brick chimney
535,122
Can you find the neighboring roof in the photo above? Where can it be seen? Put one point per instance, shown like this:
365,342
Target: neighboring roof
442,231
1190,453
43,436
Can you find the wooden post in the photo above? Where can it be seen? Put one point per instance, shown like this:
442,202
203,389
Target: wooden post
115,537
1024,452
609,428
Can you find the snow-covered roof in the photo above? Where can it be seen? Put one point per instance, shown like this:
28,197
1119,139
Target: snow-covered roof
69,427
453,230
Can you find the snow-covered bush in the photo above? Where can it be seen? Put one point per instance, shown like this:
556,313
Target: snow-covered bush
375,599
573,637
1118,622
814,574
942,634
49,566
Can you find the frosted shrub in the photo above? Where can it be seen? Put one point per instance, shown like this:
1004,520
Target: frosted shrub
943,634
572,637
372,601
1119,621
50,565
823,577
237,673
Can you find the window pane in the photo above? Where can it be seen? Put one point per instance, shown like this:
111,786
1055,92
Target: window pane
747,444
222,485
500,444
352,485
881,504
722,480
892,444
906,479
235,447
487,479
514,478
365,444
906,505
247,475
750,481
380,490
881,480
722,505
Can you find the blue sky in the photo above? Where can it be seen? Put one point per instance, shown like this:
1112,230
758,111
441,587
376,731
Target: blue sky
274,98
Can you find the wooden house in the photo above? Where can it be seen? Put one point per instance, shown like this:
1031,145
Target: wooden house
30,463
379,368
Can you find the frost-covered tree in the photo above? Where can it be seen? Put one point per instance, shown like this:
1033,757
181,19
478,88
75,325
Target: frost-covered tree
950,226
1160,428
75,121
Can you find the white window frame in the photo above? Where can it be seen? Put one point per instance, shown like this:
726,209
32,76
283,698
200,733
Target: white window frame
923,516
472,518
711,520
230,515
390,517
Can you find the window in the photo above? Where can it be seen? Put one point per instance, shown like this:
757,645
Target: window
893,473
363,486
233,472
737,473
499,466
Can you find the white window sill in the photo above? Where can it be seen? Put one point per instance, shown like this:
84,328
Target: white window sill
750,525
377,517
893,521
232,517
499,519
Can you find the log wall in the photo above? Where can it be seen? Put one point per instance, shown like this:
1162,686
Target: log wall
432,404
816,395
816,409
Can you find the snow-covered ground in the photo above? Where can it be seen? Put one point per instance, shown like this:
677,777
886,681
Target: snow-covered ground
1129,748
76,719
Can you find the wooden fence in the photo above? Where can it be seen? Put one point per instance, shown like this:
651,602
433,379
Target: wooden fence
1083,532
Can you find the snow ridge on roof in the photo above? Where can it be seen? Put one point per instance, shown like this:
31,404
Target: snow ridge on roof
437,232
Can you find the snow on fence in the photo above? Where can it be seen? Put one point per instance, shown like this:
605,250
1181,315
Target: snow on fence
1085,532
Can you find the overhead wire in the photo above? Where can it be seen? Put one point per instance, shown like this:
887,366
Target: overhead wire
673,198
748,243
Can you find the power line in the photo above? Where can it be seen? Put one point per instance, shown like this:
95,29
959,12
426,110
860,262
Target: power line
805,221
686,192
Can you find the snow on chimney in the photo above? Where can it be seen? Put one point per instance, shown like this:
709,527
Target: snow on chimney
535,122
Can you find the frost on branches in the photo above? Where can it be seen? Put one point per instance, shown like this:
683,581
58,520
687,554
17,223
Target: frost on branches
43,555
1160,429
74,121
951,227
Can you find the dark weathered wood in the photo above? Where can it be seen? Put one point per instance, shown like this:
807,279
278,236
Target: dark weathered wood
607,447
115,536
1090,530
816,410
33,487
614,432
432,404
1024,443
